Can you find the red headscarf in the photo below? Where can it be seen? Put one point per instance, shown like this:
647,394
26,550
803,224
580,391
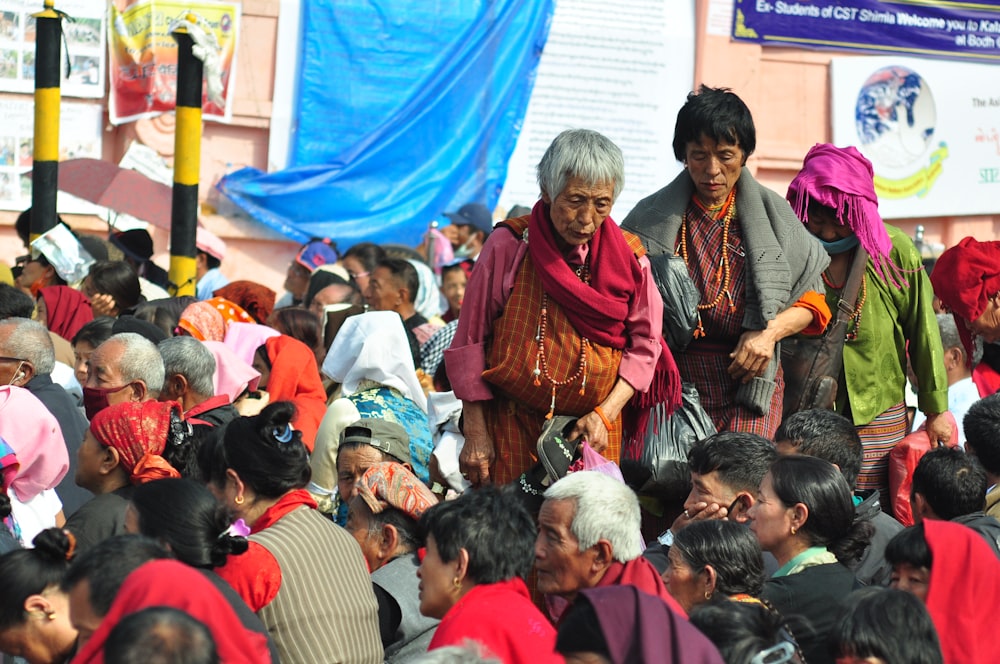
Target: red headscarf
964,586
295,377
67,310
256,299
139,432
174,584
965,277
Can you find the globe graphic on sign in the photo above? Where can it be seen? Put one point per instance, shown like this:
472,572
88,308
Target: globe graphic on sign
895,116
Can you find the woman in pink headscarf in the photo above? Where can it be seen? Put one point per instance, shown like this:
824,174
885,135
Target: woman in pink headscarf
834,196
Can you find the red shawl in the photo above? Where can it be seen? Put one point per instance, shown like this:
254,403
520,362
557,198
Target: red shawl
640,573
295,377
965,277
174,584
964,588
67,310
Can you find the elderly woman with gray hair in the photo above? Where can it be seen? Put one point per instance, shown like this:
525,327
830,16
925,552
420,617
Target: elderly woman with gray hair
561,317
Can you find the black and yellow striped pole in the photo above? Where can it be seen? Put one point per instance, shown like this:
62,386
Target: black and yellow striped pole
187,162
45,171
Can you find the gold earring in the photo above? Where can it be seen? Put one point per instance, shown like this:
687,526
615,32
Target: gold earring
708,595
793,530
457,582
51,615
239,500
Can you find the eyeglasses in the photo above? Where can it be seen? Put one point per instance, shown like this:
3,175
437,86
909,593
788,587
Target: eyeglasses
11,359
358,275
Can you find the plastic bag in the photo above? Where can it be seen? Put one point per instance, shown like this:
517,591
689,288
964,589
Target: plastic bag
658,467
680,299
592,460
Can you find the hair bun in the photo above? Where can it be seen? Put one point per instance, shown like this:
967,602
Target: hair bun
55,543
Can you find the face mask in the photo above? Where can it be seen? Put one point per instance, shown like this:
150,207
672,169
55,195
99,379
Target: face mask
95,399
840,246
463,251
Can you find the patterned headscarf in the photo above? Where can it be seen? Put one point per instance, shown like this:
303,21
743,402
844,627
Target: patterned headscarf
139,432
256,299
391,485
843,179
208,320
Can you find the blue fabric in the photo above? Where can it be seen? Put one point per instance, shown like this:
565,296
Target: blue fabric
208,284
385,403
408,110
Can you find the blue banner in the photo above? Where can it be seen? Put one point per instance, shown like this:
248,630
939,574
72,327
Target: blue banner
407,110
922,28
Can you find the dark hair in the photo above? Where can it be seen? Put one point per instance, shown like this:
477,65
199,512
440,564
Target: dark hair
825,434
367,253
117,279
453,267
15,303
732,551
892,625
185,516
298,323
160,635
741,630
211,262
821,488
95,332
951,481
580,630
716,113
27,572
909,546
23,226
406,526
106,565
492,525
982,432
159,315
741,458
404,272
180,450
254,448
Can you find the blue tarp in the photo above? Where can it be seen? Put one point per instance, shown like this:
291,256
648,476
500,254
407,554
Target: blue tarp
407,110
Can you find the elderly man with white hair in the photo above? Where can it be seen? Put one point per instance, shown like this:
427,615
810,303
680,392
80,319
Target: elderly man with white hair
126,367
588,536
189,369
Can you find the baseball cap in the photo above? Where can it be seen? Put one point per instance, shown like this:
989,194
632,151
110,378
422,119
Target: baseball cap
387,437
317,252
473,214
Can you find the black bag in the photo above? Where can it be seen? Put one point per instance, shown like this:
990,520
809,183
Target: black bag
680,299
658,467
812,364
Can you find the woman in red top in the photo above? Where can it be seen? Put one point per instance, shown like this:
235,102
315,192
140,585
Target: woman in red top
480,547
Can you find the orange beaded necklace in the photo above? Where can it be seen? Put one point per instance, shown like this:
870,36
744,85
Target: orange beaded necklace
727,211
542,365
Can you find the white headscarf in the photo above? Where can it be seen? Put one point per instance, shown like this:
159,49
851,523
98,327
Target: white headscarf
373,346
428,302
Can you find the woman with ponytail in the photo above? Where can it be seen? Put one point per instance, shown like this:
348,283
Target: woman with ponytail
34,612
304,576
804,516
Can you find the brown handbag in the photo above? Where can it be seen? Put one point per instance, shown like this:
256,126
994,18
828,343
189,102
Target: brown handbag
812,364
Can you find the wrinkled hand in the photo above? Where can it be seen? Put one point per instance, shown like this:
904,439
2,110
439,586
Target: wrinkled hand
590,428
699,512
752,355
476,458
938,430
103,305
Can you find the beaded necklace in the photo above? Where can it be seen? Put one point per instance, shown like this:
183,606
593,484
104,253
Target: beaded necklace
852,332
727,212
541,363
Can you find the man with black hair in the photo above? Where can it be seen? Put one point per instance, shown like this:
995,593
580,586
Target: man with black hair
726,471
95,576
832,437
160,635
982,440
393,286
15,303
950,485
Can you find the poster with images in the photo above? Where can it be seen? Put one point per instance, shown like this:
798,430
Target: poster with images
80,126
83,49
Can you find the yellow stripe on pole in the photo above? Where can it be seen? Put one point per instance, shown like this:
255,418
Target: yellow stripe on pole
47,115
187,145
184,273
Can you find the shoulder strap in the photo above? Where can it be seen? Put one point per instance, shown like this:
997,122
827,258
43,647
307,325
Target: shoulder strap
849,296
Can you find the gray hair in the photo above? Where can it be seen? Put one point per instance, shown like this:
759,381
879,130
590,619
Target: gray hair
581,153
605,509
29,340
470,652
140,361
192,359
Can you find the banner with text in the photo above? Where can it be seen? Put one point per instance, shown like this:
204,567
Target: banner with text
931,130
969,31
143,56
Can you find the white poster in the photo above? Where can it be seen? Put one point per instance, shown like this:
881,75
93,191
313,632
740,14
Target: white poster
79,136
931,129
83,49
623,70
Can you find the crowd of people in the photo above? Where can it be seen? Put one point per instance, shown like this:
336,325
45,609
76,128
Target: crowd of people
412,455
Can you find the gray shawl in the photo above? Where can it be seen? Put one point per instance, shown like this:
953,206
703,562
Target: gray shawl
783,259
